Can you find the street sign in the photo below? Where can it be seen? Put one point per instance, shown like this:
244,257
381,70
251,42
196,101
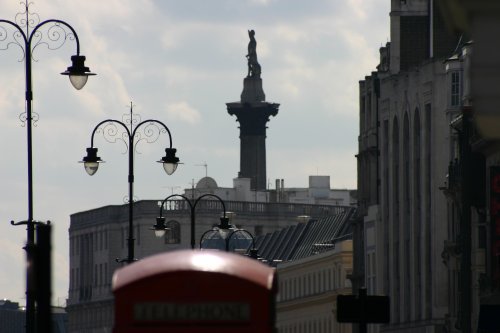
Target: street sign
363,309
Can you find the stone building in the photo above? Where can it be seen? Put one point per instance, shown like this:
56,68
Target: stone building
312,307
405,146
99,236
474,175
318,192
13,318
313,261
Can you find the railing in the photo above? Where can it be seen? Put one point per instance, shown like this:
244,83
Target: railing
259,208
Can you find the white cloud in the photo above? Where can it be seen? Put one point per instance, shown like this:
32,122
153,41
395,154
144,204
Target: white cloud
291,34
358,8
182,111
261,2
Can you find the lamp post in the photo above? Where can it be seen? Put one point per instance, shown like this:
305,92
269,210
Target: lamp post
28,33
131,137
227,232
253,251
160,226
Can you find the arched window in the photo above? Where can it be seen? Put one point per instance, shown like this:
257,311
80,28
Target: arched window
395,219
417,220
407,214
334,277
173,235
427,189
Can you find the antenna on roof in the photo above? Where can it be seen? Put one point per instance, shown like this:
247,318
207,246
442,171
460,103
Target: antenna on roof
206,167
172,188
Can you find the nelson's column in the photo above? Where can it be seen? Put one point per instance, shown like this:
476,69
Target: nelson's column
253,112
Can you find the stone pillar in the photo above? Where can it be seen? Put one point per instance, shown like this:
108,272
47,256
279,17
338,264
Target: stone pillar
253,112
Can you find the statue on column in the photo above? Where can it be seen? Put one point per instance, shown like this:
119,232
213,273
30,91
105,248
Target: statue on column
253,64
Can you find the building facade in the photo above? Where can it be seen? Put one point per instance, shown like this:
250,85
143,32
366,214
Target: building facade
473,191
99,236
307,301
405,147
13,318
313,260
477,168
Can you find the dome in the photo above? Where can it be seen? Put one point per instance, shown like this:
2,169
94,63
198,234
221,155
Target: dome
206,183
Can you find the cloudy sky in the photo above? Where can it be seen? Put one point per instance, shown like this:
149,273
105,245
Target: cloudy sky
178,62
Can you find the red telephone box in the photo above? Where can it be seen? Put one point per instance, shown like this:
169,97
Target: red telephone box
195,291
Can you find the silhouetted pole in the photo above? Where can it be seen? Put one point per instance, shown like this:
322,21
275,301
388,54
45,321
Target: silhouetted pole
43,278
28,34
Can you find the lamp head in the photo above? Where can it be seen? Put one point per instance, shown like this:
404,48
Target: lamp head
224,223
169,161
224,228
254,253
160,227
77,72
91,161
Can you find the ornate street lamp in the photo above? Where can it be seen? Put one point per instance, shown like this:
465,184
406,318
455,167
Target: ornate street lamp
220,237
253,253
78,74
160,227
152,129
28,32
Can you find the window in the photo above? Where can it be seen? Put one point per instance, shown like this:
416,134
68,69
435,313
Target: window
455,89
407,212
334,277
95,275
362,116
368,111
106,282
428,204
417,228
315,284
396,278
173,235
481,237
105,239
